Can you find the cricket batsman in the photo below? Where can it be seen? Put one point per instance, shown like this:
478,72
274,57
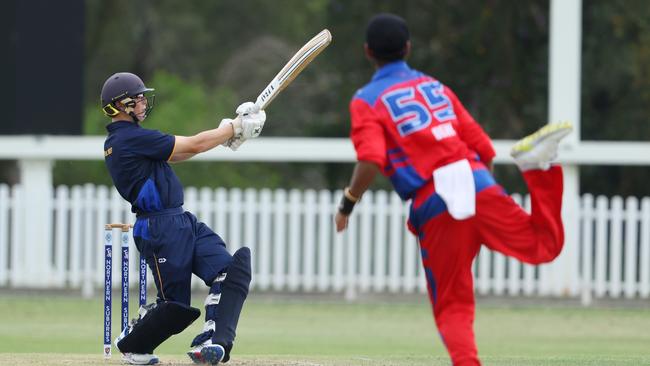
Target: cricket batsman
174,243
413,129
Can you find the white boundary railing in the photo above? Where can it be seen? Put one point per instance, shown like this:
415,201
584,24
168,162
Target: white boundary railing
37,155
295,248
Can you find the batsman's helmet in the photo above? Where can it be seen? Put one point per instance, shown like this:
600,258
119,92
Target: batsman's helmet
124,87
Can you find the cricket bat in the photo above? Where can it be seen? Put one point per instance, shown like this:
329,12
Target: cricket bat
296,64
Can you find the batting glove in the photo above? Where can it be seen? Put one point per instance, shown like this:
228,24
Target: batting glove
252,125
236,140
252,120
247,108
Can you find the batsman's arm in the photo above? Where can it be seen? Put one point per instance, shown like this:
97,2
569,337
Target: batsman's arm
188,146
362,177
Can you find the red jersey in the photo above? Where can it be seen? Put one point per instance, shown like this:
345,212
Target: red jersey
409,124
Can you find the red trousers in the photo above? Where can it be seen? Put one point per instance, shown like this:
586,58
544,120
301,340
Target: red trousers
449,247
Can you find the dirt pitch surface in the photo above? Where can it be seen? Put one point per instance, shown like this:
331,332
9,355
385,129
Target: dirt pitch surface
56,359
21,359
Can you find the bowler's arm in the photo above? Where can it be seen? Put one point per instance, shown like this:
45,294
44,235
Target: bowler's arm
362,177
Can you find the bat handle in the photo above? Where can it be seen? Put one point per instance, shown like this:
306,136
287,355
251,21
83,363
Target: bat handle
259,104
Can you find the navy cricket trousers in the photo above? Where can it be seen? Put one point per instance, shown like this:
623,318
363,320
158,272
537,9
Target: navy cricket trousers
177,245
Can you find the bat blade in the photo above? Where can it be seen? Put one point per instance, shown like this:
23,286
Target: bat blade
296,64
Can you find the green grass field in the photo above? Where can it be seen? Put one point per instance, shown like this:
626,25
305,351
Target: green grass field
59,330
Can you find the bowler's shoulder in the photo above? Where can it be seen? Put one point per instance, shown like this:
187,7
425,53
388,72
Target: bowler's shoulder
363,91
373,90
370,92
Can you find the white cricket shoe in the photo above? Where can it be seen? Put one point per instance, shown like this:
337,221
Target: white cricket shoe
539,149
140,358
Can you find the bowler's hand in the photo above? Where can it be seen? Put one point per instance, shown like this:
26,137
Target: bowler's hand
341,221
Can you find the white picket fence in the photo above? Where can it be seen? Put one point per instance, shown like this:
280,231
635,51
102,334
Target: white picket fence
295,248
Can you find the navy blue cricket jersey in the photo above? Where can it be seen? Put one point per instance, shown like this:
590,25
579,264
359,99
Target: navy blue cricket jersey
136,159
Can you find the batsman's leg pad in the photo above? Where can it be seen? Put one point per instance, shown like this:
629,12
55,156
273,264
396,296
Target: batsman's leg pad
156,325
234,290
211,308
205,335
214,297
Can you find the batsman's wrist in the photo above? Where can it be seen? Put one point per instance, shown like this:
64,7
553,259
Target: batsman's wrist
236,126
347,202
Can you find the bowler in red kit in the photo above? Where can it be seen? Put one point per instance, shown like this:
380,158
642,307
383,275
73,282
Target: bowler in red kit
413,129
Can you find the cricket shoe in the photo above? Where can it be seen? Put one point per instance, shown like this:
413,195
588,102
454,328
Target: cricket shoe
207,353
195,352
539,149
135,358
140,358
213,354
202,340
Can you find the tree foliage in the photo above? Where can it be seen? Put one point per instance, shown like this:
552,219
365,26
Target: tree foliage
206,57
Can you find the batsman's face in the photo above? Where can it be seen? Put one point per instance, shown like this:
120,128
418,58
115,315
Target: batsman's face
141,107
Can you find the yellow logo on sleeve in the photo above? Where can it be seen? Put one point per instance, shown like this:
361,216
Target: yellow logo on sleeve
108,151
